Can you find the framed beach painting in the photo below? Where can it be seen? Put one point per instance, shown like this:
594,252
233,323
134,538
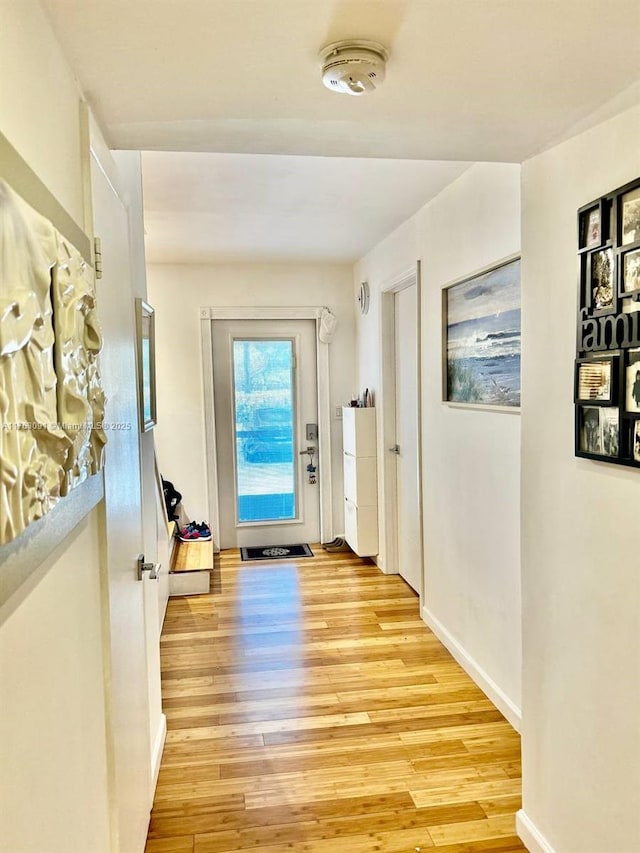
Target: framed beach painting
481,338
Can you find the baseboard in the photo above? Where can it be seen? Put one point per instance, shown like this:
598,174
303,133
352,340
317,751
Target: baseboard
158,748
531,837
502,702
379,561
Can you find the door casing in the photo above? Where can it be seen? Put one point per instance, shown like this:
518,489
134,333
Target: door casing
207,315
304,526
387,487
128,603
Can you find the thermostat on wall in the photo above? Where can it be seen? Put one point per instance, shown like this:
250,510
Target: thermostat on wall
363,297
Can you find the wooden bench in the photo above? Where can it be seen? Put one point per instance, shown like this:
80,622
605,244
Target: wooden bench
190,567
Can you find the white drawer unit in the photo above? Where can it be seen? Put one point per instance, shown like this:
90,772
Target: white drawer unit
361,528
359,431
360,480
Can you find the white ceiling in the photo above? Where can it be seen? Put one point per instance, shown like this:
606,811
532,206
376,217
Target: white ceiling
467,80
203,208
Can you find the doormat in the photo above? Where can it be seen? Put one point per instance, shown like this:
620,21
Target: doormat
276,552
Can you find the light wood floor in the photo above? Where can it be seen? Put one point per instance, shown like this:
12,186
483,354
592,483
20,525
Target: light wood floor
311,710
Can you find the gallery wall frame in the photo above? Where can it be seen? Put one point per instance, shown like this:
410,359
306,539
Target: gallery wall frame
601,286
629,273
597,380
591,225
632,382
628,213
481,341
599,431
635,441
607,366
146,358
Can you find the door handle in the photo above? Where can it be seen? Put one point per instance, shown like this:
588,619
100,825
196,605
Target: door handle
395,449
152,568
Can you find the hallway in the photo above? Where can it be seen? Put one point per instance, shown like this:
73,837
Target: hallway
310,709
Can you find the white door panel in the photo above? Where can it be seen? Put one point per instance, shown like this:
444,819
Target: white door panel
245,466
128,688
407,473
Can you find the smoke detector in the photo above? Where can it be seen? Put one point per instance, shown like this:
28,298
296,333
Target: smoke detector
353,67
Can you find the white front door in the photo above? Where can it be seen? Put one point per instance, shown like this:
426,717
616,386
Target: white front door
407,459
265,392
128,714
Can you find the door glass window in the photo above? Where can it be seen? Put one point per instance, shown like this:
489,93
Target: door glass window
264,429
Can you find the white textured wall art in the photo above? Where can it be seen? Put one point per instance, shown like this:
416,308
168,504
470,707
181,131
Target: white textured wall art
51,402
78,342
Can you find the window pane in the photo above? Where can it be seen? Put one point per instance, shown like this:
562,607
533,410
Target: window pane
263,395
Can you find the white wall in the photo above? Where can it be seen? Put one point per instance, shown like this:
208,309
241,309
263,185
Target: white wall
581,584
471,477
56,778
53,767
471,458
177,292
396,253
53,770
39,102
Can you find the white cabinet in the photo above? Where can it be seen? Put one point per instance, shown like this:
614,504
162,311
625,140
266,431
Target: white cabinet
360,480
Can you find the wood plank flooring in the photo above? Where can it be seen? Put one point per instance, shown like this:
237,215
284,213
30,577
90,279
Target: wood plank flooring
310,709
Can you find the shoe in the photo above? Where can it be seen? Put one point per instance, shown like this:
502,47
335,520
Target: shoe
195,532
340,546
189,533
333,542
204,531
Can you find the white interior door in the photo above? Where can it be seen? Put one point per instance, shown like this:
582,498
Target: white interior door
128,683
407,458
265,392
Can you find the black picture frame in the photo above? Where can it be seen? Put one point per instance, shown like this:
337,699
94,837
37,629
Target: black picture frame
628,215
588,372
629,272
589,216
634,442
599,278
598,432
631,383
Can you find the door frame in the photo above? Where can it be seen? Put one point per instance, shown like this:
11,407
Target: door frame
144,593
207,316
388,487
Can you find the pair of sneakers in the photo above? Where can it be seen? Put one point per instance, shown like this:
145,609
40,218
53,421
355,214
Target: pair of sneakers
195,532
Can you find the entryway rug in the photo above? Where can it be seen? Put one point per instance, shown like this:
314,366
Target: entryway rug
276,552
